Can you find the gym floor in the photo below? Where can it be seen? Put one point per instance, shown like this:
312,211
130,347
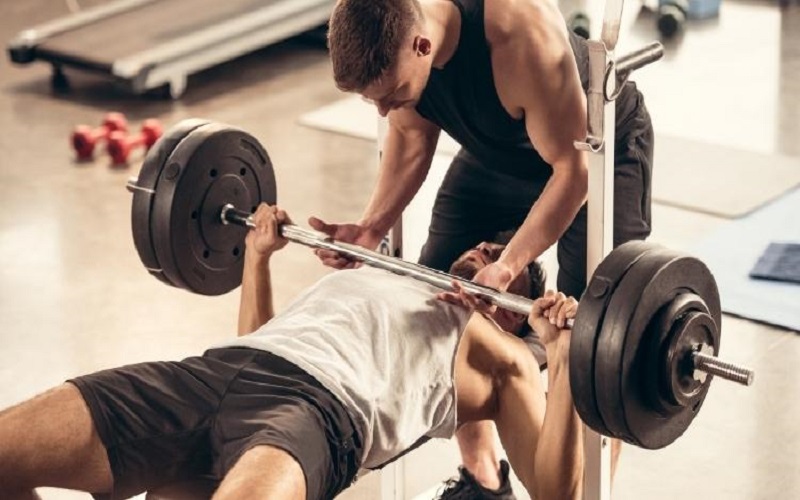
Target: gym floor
74,297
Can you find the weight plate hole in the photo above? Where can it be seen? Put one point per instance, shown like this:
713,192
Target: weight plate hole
213,172
242,171
206,254
194,215
236,251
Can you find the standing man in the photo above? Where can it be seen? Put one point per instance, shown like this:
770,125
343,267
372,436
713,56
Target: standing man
507,81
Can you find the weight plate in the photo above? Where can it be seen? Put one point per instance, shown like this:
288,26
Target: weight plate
655,281
589,319
214,165
142,203
610,341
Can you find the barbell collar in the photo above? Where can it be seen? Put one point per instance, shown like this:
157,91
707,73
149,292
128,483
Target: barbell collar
509,301
712,365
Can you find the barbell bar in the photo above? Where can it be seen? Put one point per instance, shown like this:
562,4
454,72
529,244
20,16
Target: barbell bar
292,232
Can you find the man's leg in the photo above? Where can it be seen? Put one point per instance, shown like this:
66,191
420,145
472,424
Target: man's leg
281,434
51,440
264,472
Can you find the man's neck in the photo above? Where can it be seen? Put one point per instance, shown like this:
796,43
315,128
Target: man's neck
443,24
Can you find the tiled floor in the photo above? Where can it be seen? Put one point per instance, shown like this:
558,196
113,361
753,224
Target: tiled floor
74,297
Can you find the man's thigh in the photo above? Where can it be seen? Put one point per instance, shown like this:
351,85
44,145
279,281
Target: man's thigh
51,440
273,404
154,419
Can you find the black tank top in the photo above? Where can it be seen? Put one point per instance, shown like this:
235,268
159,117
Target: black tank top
461,99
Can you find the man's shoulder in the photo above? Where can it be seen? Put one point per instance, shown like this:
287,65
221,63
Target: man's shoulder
510,21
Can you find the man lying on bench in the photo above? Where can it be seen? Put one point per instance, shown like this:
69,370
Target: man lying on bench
362,367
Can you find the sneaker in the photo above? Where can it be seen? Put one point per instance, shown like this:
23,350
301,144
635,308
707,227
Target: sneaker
466,487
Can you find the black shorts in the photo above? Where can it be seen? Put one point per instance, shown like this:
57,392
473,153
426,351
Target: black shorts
165,422
477,200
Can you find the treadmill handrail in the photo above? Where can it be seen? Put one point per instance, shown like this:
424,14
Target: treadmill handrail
33,36
132,66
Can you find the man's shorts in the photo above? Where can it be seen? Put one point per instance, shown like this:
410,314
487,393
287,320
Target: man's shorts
175,421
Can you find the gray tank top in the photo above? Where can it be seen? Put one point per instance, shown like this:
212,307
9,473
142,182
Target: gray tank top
383,345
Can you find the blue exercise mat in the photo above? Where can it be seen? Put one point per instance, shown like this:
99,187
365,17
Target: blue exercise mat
733,250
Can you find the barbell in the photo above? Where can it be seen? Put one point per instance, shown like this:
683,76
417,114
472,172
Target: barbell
644,340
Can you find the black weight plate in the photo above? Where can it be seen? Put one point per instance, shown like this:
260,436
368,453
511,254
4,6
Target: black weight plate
142,203
587,325
612,338
683,275
214,165
651,284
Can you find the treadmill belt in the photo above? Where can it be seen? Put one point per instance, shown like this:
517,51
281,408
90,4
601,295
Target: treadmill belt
145,27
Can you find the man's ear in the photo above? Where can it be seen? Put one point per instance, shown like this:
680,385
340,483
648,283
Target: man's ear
422,46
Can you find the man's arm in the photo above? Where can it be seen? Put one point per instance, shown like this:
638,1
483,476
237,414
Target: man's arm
255,305
407,155
559,461
498,378
537,78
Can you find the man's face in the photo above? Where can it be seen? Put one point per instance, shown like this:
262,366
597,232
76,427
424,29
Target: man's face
402,85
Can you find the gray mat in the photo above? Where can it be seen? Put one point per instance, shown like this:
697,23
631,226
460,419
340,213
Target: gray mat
732,251
696,176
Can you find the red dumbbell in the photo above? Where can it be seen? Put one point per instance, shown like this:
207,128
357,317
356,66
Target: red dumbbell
85,138
120,145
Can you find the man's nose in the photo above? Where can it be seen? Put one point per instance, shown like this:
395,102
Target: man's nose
484,249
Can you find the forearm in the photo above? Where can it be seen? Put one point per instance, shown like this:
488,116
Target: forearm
550,216
559,454
405,163
255,307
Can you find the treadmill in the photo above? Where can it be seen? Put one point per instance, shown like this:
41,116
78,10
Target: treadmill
150,44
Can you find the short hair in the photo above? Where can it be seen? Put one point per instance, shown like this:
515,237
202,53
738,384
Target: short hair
364,38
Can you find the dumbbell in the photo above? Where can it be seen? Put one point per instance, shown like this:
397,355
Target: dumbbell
85,138
120,145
